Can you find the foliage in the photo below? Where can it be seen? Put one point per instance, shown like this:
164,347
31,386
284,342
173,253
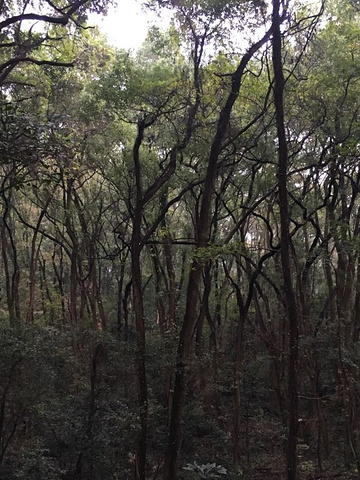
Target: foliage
206,471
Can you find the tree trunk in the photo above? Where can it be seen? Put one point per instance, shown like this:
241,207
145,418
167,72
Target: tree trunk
136,247
285,246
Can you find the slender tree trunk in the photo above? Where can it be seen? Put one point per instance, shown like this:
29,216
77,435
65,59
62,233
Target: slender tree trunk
45,290
140,356
170,468
73,287
126,300
159,289
204,313
33,264
136,247
120,299
271,342
58,266
171,316
98,313
68,204
239,350
291,304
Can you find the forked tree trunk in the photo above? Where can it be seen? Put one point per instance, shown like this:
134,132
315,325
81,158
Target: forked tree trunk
191,311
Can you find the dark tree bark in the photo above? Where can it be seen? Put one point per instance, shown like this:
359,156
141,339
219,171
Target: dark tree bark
136,247
285,247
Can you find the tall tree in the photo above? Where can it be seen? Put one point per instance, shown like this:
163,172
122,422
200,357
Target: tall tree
202,238
285,245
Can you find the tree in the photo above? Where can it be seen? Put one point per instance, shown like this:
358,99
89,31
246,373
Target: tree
285,245
20,44
202,238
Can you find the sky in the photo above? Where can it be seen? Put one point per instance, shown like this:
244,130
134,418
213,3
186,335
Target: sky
126,24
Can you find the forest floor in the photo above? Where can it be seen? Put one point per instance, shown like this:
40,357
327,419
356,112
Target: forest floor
268,474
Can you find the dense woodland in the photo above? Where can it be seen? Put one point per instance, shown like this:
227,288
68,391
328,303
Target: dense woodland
180,249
